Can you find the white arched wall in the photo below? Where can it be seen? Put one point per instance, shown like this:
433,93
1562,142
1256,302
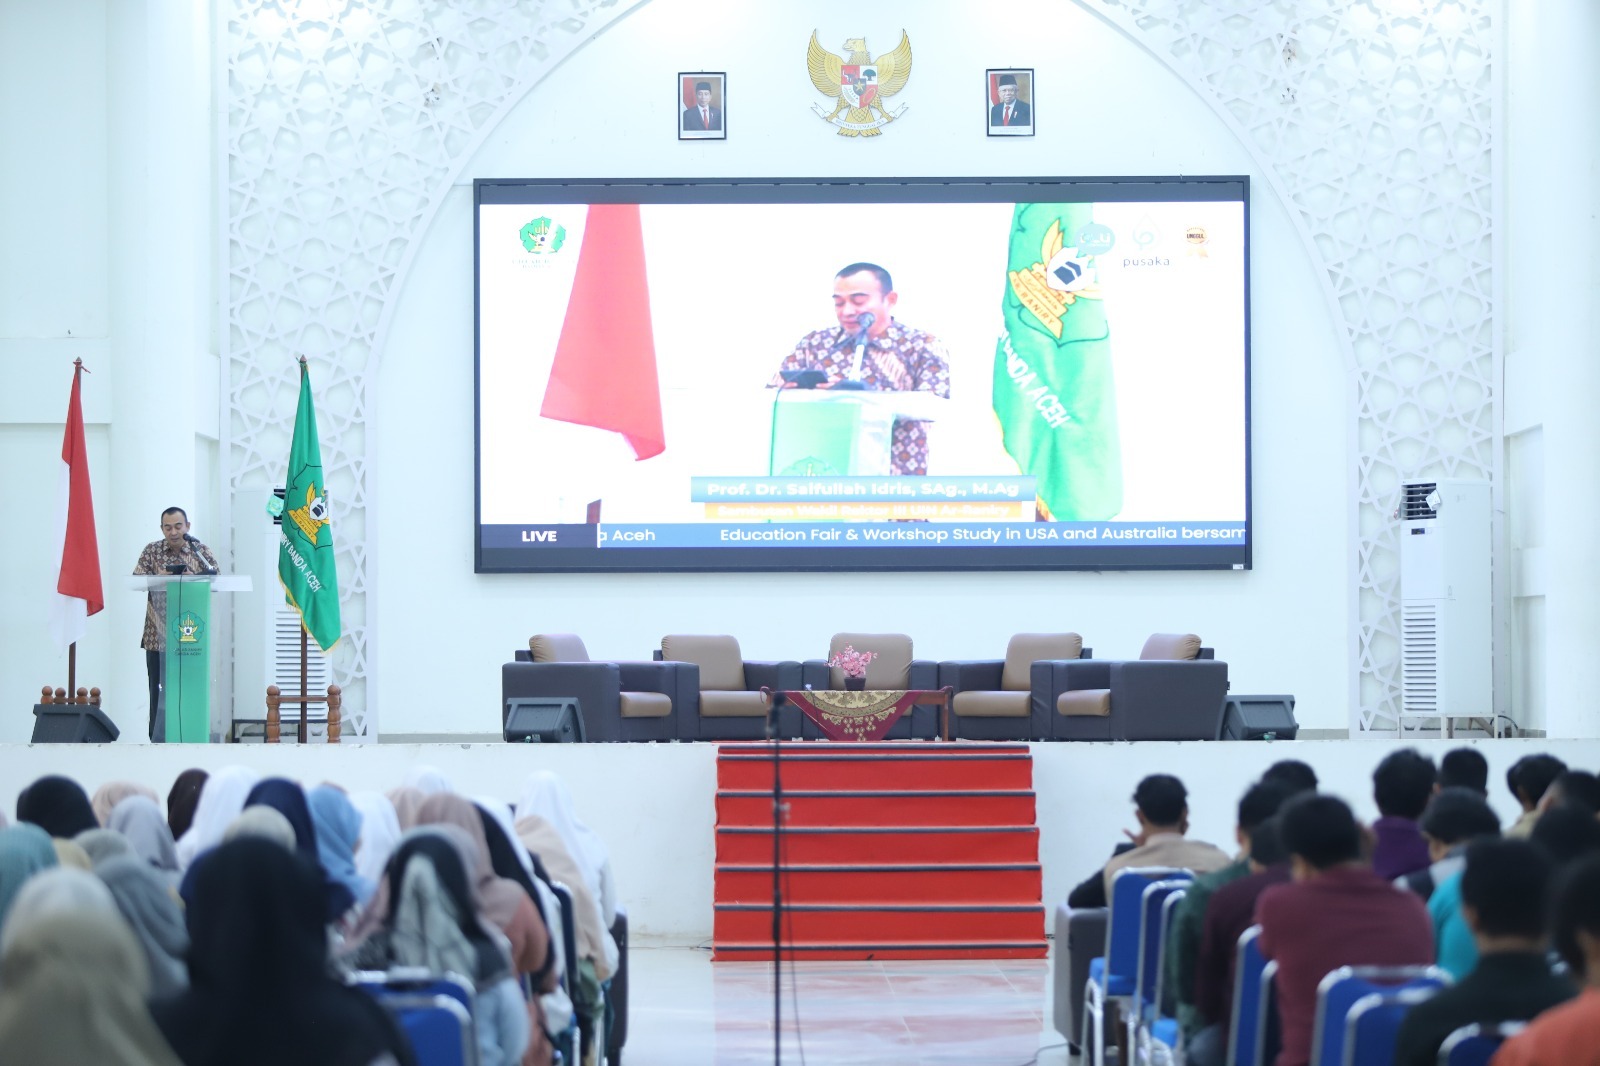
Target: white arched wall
1391,191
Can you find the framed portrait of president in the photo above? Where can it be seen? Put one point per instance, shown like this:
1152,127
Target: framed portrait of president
1009,102
702,107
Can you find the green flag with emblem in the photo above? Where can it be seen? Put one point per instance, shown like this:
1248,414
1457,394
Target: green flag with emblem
305,542
1053,388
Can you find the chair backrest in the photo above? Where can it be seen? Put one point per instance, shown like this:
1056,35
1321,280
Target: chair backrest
1161,999
891,669
1125,915
1024,649
1247,967
1475,1045
569,934
1152,938
439,1028
1374,1022
557,648
415,981
1171,646
1269,1029
720,661
1339,991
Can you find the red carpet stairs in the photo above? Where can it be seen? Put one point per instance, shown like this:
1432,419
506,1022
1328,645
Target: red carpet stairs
907,850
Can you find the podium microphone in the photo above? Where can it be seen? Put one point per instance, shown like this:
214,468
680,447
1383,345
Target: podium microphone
866,321
194,546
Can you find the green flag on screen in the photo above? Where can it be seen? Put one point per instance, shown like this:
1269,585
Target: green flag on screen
1053,389
305,543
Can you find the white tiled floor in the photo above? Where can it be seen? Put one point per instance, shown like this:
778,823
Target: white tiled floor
683,1009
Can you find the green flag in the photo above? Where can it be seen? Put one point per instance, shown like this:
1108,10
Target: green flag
1053,389
305,544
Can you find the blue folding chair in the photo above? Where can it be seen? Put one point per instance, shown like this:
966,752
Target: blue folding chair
1374,1022
1475,1045
439,1028
1158,1032
1339,991
1112,975
414,981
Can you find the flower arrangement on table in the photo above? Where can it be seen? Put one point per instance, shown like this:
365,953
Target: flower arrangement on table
853,664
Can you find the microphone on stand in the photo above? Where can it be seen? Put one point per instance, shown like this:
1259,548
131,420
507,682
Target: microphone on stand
865,321
194,546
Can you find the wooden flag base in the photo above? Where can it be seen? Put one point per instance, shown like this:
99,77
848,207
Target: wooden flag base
275,698
86,696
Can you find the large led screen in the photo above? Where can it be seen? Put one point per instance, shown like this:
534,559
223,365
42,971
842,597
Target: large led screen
863,375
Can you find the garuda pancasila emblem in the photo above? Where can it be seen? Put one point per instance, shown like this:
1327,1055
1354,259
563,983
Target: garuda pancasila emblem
859,83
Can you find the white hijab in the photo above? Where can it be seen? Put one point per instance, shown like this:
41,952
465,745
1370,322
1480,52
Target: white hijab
221,799
546,796
380,833
428,780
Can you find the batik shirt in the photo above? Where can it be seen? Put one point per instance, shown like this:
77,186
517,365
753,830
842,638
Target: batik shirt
154,560
902,360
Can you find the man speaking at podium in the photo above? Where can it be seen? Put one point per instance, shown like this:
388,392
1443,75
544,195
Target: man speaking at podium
871,347
175,553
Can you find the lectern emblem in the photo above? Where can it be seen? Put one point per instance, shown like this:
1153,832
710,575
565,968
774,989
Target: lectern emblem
189,629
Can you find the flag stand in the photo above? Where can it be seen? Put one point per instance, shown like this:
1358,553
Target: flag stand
275,699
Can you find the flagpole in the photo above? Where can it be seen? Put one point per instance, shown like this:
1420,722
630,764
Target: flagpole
72,667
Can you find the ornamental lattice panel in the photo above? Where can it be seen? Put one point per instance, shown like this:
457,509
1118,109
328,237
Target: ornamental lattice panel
344,131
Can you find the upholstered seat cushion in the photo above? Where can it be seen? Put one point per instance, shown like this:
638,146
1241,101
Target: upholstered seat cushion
1027,648
645,705
981,704
1085,702
558,648
714,704
718,657
1171,646
890,670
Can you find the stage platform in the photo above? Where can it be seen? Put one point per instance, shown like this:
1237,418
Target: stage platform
655,804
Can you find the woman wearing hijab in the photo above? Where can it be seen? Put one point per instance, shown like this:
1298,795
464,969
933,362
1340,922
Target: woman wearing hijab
338,828
102,844
75,987
431,918
181,801
24,851
220,802
263,822
405,801
145,902
512,862
380,834
546,795
289,800
139,820
260,993
595,944
58,805
428,780
62,890
68,853
108,795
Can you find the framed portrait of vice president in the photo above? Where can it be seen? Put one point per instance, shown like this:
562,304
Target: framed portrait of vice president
1009,103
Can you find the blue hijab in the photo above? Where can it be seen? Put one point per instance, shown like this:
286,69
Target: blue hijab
24,850
338,826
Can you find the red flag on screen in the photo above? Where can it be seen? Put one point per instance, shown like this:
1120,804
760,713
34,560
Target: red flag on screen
605,367
78,590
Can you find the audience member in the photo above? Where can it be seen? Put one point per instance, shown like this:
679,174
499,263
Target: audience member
182,799
1574,788
58,805
428,780
1454,818
380,834
262,822
145,901
1568,1035
289,799
1401,787
1232,911
431,917
260,991
338,827
1259,803
108,795
75,987
139,820
1527,779
1292,775
68,853
102,844
1504,889
1161,806
1567,834
1335,912
405,802
62,890
1464,768
24,851
546,795
221,800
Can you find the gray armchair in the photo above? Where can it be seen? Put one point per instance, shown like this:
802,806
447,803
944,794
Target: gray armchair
618,701
1173,691
1010,698
728,703
1080,937
894,668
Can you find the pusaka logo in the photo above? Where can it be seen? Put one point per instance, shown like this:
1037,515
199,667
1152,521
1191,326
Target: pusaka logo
1141,262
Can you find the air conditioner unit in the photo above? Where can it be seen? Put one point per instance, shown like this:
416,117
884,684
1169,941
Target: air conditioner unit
1446,602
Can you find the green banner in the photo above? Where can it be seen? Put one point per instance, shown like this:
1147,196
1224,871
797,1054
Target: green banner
305,541
1053,388
827,435
187,684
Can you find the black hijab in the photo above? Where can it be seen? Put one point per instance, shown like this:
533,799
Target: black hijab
503,858
289,800
260,989
183,799
58,805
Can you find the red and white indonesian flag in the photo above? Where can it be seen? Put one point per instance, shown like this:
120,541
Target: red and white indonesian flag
78,591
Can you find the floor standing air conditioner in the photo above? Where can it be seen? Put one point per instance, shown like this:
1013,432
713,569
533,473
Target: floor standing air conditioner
1446,608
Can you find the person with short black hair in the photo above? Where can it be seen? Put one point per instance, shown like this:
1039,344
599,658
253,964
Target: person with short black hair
1454,818
1527,779
1567,834
1574,788
1463,768
1161,807
1568,1035
175,553
1504,889
1401,786
1293,775
1335,912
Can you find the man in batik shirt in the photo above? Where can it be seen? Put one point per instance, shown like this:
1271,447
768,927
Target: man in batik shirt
175,552
895,357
